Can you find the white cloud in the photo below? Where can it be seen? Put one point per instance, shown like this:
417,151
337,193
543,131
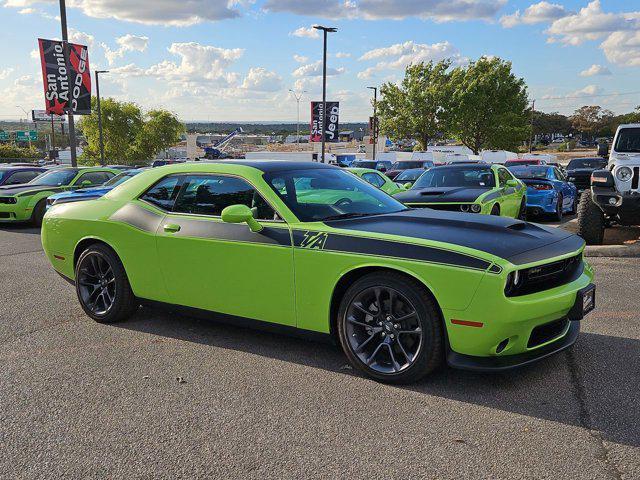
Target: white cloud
82,38
315,69
127,43
542,12
342,55
4,74
300,58
158,12
594,70
261,80
399,55
304,32
623,48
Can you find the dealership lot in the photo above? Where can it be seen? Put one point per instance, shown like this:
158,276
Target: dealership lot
168,396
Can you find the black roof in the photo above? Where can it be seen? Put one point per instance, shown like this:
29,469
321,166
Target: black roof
467,165
277,165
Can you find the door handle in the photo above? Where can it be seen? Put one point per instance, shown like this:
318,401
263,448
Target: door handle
171,228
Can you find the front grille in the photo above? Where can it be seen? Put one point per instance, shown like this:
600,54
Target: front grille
8,200
547,332
5,215
544,277
451,207
581,181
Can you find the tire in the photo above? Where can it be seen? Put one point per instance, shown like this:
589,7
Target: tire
403,346
522,213
591,220
38,213
557,216
495,210
99,269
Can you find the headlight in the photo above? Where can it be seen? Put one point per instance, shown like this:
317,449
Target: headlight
464,208
475,208
624,174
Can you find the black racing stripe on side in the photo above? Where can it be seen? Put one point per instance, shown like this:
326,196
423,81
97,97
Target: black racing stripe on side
492,196
387,248
138,217
239,232
510,191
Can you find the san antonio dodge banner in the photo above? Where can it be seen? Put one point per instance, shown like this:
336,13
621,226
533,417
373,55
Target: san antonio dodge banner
333,111
64,90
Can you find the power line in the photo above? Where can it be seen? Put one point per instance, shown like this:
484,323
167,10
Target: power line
590,96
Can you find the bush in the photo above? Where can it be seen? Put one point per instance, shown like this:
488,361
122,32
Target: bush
8,150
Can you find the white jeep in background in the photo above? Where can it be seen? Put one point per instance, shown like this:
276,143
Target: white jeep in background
614,198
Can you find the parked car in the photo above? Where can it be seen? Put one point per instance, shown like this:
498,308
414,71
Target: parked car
403,165
16,175
120,167
472,187
27,202
162,163
400,290
92,192
579,170
380,165
524,162
548,190
407,178
377,179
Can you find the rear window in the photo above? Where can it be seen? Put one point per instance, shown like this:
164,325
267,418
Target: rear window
628,141
587,163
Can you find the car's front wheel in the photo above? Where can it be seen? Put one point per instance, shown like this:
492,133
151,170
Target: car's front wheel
390,328
102,285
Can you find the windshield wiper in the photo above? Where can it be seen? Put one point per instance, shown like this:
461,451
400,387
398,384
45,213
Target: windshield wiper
343,216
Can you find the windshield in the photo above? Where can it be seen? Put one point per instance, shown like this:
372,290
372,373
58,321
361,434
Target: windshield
318,194
364,164
4,173
55,178
586,163
469,177
529,172
410,175
511,163
120,178
407,165
628,141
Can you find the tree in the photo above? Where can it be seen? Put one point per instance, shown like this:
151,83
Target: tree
129,135
416,108
489,106
10,151
551,123
592,120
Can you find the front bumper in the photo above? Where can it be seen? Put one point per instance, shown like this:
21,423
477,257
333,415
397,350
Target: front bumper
541,203
15,212
626,206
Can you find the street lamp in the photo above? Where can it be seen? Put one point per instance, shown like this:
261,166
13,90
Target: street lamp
325,30
298,96
375,119
102,162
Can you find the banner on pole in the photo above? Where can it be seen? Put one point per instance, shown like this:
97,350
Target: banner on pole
43,116
331,132
67,85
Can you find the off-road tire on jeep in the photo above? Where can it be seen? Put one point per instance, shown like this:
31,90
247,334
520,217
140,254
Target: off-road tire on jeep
591,220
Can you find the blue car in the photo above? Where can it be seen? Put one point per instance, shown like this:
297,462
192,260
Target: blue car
93,192
548,191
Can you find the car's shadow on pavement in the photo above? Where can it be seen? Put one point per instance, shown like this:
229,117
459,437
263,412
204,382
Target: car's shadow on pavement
594,385
20,228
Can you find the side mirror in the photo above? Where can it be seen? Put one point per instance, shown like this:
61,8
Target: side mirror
512,183
240,214
407,185
86,183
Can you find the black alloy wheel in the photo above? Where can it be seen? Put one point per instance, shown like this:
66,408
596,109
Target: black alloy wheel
390,328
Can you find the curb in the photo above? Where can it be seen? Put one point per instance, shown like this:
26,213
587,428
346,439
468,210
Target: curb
619,251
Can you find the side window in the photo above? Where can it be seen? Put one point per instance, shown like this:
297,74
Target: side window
374,179
210,194
95,178
163,193
21,177
559,175
504,176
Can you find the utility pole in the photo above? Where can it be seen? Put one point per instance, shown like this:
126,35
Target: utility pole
375,119
298,96
102,162
533,109
67,54
325,31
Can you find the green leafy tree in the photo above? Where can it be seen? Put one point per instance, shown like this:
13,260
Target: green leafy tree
9,151
416,108
592,120
129,135
489,106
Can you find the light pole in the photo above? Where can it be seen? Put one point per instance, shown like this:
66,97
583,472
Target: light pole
325,31
375,119
67,55
26,119
102,162
298,96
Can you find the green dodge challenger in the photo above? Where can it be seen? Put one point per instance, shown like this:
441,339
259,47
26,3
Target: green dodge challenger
28,202
469,187
401,290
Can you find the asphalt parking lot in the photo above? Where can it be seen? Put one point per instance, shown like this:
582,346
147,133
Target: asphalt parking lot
165,396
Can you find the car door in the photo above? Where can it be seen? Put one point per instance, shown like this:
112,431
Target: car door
223,267
510,199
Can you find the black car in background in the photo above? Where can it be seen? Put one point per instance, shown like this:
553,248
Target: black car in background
399,167
16,175
579,170
380,165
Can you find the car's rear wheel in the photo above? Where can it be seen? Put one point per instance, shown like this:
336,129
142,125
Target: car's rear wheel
390,328
38,213
574,204
557,216
522,213
495,210
102,285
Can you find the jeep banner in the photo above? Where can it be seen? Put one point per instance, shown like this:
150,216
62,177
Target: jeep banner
331,132
67,86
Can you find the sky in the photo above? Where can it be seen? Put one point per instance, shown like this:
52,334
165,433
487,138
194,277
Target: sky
235,60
